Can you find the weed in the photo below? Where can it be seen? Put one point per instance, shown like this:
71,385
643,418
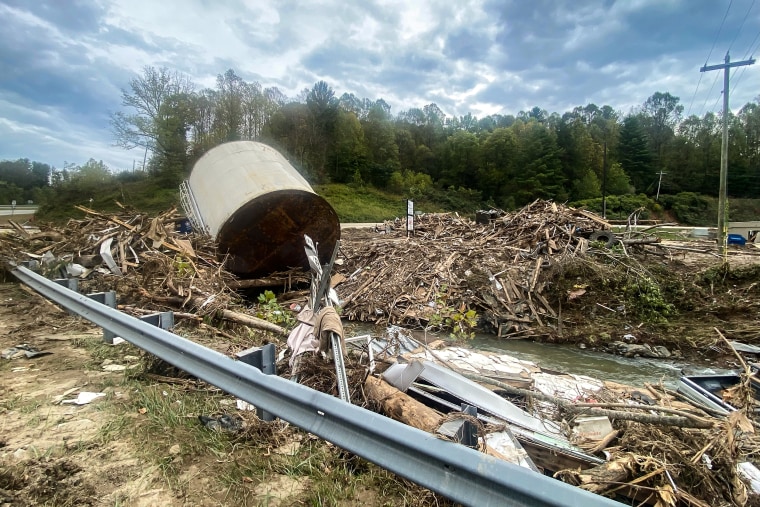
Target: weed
646,298
461,321
269,309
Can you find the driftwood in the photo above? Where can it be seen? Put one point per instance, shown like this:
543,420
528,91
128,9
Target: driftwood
251,321
453,265
402,407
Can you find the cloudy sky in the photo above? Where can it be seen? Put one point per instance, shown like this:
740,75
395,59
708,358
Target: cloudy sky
63,63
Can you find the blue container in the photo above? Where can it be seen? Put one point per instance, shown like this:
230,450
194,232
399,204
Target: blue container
184,227
736,239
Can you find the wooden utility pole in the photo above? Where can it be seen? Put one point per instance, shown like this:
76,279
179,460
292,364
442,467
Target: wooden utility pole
659,184
604,183
722,202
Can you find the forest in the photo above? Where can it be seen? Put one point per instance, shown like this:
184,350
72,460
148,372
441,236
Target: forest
499,160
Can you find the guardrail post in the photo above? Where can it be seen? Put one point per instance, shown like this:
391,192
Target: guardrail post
468,434
164,320
262,358
461,429
69,283
108,299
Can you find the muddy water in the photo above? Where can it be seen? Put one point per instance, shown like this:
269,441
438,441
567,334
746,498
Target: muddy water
570,359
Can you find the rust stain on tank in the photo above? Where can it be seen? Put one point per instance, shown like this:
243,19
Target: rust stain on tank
258,207
267,234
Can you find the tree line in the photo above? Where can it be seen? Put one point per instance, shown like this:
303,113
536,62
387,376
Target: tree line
508,160
501,160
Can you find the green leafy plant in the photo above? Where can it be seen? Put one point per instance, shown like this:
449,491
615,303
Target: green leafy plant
461,321
270,310
182,266
648,301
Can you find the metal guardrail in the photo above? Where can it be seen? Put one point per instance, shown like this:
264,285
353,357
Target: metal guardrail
453,470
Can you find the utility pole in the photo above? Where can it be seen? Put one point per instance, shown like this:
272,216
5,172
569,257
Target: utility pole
604,183
722,202
659,184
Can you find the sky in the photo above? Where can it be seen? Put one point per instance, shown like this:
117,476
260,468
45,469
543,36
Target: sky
64,63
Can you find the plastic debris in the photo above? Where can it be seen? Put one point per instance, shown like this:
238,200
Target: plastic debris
84,398
222,423
22,350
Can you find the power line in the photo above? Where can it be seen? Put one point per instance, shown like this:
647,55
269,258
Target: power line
719,29
740,26
695,94
707,97
707,59
750,52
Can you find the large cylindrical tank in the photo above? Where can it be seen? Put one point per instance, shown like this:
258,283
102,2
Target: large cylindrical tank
258,208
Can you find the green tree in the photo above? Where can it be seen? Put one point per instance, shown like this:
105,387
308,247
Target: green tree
617,181
461,160
540,168
138,127
635,156
171,161
499,159
323,109
587,186
660,115
380,140
229,111
349,154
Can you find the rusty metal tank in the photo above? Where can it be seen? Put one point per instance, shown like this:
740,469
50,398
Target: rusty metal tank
258,207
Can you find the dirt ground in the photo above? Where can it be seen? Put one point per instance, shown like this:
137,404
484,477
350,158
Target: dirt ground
708,298
111,452
53,453
142,444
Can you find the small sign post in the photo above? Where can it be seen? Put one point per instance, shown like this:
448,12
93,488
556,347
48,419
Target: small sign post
13,206
409,218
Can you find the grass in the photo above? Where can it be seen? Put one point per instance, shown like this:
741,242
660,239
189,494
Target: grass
362,204
162,422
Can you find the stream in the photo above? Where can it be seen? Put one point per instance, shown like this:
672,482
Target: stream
570,359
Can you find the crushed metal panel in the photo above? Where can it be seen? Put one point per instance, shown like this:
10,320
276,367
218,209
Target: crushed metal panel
562,450
505,443
745,347
401,376
485,399
691,388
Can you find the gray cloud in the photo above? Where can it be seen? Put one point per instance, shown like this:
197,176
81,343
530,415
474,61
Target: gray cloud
63,63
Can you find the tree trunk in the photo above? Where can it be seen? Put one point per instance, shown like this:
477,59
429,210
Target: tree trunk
402,407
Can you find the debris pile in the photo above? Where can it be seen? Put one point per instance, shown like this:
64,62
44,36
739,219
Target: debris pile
656,449
453,265
147,260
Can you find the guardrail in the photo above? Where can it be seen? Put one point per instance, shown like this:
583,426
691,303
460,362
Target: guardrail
453,470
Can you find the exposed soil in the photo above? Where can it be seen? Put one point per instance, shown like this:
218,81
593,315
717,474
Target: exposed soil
51,453
115,450
705,296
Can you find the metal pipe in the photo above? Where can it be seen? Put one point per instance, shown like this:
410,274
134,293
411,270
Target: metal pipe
455,471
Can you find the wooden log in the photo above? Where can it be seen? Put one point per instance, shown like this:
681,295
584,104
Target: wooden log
640,241
250,321
240,318
402,407
267,282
